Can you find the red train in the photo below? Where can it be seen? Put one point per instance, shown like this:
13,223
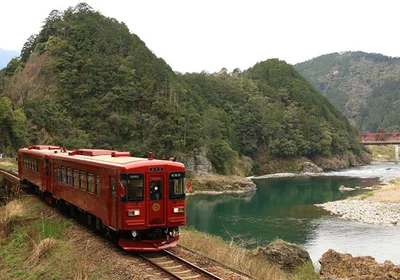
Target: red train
140,202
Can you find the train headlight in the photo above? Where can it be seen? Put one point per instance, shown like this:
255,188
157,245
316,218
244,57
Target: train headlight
179,210
134,233
132,213
174,232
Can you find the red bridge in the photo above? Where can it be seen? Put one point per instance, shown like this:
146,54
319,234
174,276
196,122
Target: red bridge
392,138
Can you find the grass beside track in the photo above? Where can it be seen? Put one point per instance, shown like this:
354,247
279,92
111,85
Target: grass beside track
33,244
239,258
9,164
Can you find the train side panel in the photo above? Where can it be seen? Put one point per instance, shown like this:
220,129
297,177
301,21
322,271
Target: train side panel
83,186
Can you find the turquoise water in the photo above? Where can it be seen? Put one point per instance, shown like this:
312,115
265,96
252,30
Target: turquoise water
279,208
285,208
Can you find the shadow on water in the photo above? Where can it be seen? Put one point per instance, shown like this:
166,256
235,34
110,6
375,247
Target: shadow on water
279,208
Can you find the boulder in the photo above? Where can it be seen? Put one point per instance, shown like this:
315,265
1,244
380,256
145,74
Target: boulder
309,167
287,256
342,188
335,265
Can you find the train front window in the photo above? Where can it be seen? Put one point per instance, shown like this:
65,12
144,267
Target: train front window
155,190
177,185
133,184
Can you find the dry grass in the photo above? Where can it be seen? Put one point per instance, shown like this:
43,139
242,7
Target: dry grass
382,152
9,163
9,213
389,193
40,250
230,255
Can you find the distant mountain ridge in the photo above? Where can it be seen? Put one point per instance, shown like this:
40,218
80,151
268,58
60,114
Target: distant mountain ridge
364,86
6,56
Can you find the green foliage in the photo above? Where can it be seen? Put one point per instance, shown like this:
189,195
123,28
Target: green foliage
89,82
222,156
12,127
364,86
271,109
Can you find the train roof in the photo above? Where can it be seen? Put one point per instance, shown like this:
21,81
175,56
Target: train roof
40,150
109,158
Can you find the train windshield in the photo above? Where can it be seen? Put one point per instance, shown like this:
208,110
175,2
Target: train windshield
133,184
177,185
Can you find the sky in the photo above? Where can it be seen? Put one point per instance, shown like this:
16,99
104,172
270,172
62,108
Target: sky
195,36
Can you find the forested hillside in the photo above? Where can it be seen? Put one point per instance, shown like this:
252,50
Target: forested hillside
364,86
86,81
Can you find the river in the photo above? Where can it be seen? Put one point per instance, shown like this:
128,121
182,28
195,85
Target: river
284,208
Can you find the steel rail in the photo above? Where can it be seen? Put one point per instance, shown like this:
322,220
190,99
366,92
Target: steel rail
217,263
10,175
189,265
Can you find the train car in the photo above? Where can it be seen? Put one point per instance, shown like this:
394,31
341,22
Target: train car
138,201
33,166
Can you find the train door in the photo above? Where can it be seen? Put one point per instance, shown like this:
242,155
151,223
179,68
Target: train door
113,202
157,197
48,186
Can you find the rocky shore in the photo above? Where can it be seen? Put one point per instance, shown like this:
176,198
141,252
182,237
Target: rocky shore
366,211
338,266
380,206
218,184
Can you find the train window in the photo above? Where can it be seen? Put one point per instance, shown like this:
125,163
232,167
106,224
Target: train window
133,184
177,185
155,190
83,180
113,188
75,180
91,186
46,163
63,178
36,165
97,187
69,176
58,170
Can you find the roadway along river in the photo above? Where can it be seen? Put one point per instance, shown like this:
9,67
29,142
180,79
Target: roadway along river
284,208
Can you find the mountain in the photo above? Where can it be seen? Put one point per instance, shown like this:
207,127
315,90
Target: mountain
86,81
364,86
6,56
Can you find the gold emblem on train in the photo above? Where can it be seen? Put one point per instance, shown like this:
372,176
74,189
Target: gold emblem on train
156,207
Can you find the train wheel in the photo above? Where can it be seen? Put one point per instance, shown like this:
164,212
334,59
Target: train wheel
89,220
63,207
98,224
72,210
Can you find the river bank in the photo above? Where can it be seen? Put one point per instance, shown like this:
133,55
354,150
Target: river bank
379,206
219,184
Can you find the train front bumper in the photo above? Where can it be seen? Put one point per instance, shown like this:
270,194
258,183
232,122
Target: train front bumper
147,245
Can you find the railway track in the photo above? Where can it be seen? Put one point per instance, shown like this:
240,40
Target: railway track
9,175
176,267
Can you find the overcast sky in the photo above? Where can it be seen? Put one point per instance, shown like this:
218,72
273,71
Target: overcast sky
193,35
